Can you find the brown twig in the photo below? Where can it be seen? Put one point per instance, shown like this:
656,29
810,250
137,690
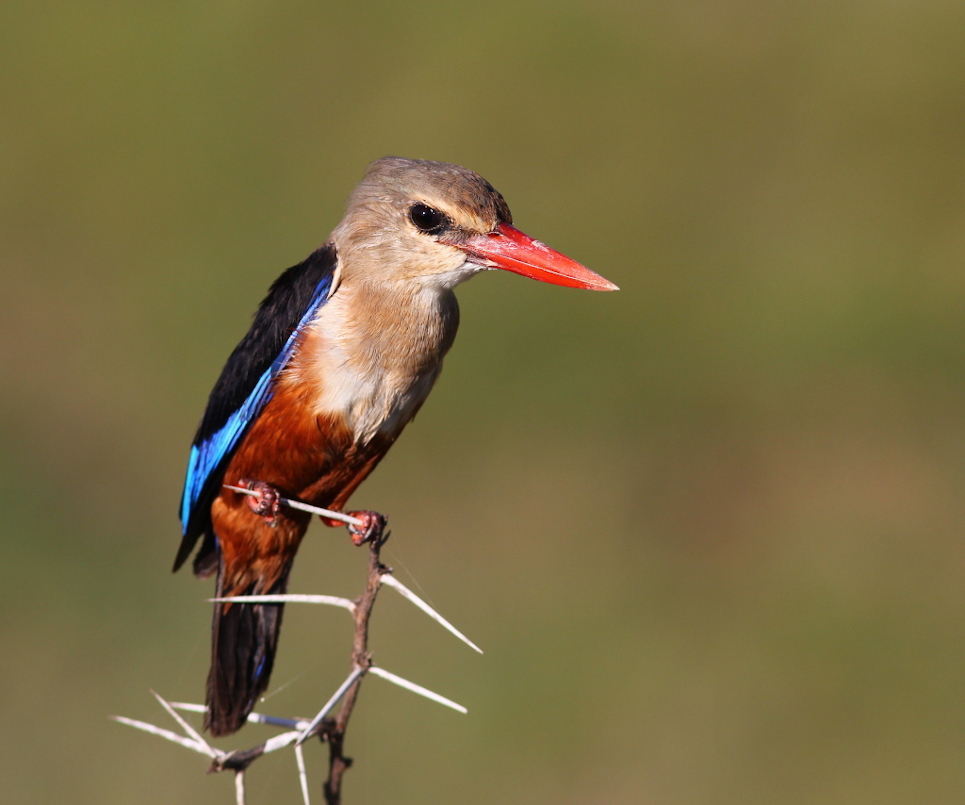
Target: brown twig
334,731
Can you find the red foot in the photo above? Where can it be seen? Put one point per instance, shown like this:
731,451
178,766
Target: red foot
371,530
267,503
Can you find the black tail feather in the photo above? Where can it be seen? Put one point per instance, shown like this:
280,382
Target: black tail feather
206,559
243,642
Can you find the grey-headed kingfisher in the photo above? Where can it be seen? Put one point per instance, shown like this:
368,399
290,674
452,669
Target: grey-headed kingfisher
340,356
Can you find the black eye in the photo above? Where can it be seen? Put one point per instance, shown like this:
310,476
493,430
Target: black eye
427,219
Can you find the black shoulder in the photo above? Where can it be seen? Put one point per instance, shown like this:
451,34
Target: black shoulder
277,318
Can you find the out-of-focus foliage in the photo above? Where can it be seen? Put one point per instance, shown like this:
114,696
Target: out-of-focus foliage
708,529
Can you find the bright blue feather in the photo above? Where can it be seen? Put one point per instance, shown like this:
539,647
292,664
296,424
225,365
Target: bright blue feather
207,456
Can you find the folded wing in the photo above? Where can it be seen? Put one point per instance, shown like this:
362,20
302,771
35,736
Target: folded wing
247,382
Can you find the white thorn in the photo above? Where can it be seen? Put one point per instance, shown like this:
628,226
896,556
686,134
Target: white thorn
302,774
163,733
191,731
189,708
280,741
240,787
253,718
405,592
352,677
290,598
273,721
305,507
405,683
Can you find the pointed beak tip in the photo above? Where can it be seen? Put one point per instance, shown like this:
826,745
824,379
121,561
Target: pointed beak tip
591,281
510,249
576,275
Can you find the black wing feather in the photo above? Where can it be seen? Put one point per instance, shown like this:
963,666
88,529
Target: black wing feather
244,384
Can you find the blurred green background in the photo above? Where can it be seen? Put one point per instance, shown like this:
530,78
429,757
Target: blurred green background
708,529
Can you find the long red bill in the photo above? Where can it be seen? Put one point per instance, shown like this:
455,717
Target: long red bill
516,251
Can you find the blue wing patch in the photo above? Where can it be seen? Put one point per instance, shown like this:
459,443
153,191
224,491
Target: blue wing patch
206,457
219,435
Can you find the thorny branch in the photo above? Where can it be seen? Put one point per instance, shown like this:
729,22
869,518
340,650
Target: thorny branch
328,728
334,732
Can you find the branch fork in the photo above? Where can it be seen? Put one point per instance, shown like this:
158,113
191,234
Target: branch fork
330,729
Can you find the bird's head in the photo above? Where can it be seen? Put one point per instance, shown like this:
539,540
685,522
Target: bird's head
439,224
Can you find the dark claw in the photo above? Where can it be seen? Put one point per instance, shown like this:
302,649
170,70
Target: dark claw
371,530
267,503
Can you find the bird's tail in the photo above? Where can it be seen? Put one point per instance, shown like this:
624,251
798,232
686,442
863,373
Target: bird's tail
243,641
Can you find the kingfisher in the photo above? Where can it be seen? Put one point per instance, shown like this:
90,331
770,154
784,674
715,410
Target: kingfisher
340,356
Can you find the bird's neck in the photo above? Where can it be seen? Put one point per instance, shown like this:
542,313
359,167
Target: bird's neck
374,351
401,327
